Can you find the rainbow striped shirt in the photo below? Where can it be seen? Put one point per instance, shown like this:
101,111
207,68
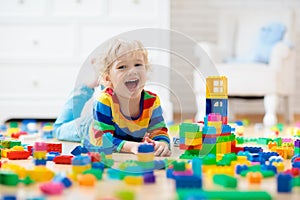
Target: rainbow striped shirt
109,118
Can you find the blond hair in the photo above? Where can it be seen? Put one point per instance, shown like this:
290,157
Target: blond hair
116,49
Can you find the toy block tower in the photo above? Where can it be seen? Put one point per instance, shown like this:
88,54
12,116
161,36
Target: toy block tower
217,96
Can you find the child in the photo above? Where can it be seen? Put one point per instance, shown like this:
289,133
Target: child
123,108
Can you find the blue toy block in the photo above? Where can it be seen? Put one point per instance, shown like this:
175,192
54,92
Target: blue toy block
253,157
243,153
240,168
182,140
63,179
84,149
209,140
296,165
81,160
217,106
40,162
253,149
159,164
269,168
9,197
169,173
226,128
107,139
188,182
197,167
267,155
52,155
284,182
146,148
98,165
76,151
209,130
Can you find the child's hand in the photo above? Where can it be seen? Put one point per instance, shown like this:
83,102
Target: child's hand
160,148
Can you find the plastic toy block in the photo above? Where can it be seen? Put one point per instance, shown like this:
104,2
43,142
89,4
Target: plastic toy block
193,142
284,183
179,166
269,167
225,195
212,106
216,86
134,180
240,168
254,177
188,147
18,134
40,174
226,128
293,171
54,147
63,159
79,169
18,155
225,180
52,188
197,167
19,170
98,165
279,166
209,130
149,178
124,195
40,146
146,148
159,164
214,117
95,156
9,197
296,181
275,159
14,143
210,159
8,178
96,172
297,143
51,155
145,157
81,160
296,165
209,140
188,182
86,179
40,155
40,162
59,178
192,135
76,151
253,149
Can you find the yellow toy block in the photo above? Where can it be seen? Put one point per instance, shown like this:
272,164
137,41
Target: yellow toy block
145,157
192,135
279,166
134,180
76,169
19,170
40,174
17,148
216,87
39,155
4,152
193,142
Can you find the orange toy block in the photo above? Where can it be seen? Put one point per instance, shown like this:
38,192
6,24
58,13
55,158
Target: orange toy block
86,179
254,177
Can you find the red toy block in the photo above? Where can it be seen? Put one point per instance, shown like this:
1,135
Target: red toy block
95,156
30,148
54,147
18,134
18,155
63,159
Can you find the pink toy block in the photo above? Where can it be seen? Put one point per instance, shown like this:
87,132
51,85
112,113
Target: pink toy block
40,146
214,117
52,188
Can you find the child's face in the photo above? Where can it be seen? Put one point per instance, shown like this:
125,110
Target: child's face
127,75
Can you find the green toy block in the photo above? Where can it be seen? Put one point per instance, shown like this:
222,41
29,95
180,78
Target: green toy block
225,195
210,159
125,195
187,127
96,172
239,140
8,178
27,180
296,181
225,180
193,135
14,143
179,166
278,141
264,141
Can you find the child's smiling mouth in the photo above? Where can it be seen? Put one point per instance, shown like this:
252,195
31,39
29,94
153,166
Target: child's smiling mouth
132,84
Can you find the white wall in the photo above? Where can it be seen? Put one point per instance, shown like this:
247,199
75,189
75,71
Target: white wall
198,19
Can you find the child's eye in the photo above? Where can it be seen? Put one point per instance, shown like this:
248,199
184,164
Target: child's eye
121,67
138,65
